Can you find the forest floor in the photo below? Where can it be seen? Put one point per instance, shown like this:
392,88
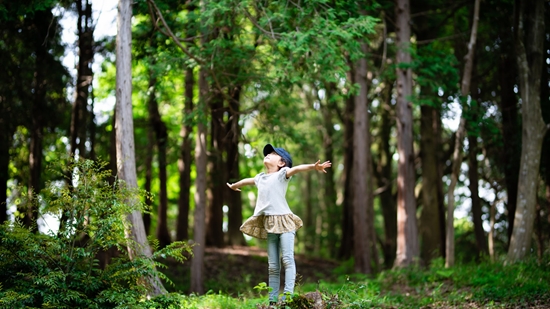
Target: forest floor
236,271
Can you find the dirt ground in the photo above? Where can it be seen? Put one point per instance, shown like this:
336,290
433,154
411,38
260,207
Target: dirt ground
228,269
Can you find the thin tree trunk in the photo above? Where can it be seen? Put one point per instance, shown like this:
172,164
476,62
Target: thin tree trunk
197,262
5,142
126,164
461,132
330,195
234,201
161,135
184,163
430,226
217,174
346,244
362,196
529,46
148,180
84,78
407,233
385,178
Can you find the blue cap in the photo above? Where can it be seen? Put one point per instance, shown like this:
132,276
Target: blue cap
280,151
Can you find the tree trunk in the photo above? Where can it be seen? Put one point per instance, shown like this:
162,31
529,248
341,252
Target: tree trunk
197,262
184,162
161,135
511,137
41,19
234,201
330,194
385,178
346,244
125,148
361,174
461,131
148,180
529,45
84,78
217,174
407,234
430,225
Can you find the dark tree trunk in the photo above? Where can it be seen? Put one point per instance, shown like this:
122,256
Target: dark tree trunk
329,184
217,176
234,201
385,178
161,135
184,163
79,114
407,233
346,244
511,136
148,180
5,142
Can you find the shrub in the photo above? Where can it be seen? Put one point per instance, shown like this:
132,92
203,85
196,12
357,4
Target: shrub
61,270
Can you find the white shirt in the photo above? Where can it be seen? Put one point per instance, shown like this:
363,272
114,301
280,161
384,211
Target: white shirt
271,193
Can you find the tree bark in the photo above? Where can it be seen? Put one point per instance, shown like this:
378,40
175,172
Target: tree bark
361,174
234,201
461,132
385,177
217,174
125,148
161,135
148,180
184,162
407,231
197,262
529,46
79,114
346,244
430,224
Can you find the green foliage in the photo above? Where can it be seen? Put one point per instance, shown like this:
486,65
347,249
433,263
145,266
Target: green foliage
61,270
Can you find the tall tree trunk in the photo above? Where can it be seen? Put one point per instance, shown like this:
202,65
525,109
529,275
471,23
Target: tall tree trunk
529,45
161,135
234,201
510,134
330,195
199,237
41,20
84,78
184,162
385,177
430,225
148,180
361,175
217,174
125,147
407,234
346,244
473,176
461,131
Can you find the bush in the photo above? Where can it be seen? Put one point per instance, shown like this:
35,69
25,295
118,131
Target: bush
61,270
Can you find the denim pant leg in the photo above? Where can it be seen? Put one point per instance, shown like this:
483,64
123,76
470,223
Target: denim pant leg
287,252
277,245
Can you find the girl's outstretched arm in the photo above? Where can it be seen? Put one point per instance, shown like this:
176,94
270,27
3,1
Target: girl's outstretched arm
308,167
244,182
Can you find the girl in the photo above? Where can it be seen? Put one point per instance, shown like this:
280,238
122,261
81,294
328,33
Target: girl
273,220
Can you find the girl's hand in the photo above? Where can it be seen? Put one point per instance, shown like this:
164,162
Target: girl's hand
232,187
322,166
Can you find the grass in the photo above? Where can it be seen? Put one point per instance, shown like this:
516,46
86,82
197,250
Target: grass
481,285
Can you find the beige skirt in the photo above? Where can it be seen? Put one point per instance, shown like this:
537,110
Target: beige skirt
259,226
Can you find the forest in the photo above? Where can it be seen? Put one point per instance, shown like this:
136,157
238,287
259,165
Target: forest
114,169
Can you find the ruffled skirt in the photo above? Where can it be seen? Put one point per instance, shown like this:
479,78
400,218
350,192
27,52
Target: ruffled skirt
260,226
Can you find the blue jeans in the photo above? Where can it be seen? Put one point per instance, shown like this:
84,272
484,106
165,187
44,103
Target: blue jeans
281,246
